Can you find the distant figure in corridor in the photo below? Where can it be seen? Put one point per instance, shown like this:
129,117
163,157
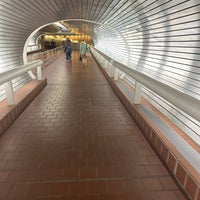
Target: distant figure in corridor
68,50
83,51
53,44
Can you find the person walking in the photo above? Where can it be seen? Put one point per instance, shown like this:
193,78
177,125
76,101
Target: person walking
83,51
68,50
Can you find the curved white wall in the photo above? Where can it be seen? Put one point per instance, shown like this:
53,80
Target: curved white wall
160,38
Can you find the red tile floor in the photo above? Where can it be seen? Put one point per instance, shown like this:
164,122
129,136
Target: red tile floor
76,141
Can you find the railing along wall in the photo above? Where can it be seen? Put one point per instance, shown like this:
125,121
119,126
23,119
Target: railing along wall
182,101
46,55
180,156
7,77
163,39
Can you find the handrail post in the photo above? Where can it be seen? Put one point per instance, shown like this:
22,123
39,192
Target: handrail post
39,73
7,77
31,74
116,72
123,75
138,91
106,65
9,93
111,69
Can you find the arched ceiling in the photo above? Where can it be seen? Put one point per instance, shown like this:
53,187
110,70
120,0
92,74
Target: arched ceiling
158,37
79,26
19,18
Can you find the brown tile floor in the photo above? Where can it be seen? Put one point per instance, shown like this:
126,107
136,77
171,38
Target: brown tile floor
76,141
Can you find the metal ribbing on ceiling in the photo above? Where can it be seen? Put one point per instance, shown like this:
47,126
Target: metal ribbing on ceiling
160,38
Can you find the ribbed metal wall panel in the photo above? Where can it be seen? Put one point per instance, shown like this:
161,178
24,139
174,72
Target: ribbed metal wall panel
160,38
164,42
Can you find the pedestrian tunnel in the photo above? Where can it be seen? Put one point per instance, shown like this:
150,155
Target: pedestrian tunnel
149,46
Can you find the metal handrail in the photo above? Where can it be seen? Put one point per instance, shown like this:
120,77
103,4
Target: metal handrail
184,102
49,53
8,76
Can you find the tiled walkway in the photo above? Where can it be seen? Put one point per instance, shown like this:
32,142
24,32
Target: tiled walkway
76,141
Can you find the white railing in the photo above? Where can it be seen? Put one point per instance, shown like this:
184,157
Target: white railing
33,47
7,77
35,60
44,56
184,102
